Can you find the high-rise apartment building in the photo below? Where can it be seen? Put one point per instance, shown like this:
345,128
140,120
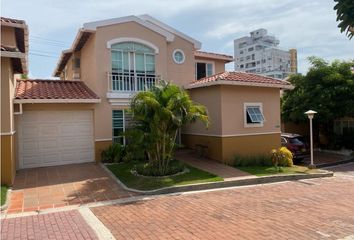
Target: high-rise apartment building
259,53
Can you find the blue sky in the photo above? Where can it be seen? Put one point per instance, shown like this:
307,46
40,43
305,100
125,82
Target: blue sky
309,26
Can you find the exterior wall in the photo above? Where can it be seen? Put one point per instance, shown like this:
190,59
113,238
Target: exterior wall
8,146
227,135
180,74
214,144
249,145
8,156
233,114
8,36
211,98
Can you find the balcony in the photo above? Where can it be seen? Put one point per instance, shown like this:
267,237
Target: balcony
123,86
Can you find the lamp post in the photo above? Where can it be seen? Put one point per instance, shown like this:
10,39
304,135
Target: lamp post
310,114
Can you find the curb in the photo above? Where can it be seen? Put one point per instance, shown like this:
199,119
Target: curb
224,184
6,204
324,165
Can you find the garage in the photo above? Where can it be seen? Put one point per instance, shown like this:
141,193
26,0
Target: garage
54,123
49,138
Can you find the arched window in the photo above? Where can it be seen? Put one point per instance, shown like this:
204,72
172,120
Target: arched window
132,57
133,66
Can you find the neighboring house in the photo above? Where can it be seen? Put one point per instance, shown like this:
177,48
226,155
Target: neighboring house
244,109
14,50
259,53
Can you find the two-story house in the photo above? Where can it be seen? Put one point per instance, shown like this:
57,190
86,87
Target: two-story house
72,121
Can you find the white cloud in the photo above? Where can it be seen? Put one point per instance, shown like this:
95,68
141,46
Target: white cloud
308,26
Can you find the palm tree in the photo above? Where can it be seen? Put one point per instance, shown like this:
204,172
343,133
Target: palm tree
159,113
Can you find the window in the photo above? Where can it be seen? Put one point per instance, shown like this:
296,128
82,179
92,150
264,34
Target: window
178,56
241,66
248,57
121,120
258,62
76,63
241,59
241,52
130,61
203,70
250,49
253,113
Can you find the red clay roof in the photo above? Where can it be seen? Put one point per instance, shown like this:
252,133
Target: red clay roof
11,20
9,48
53,89
213,55
242,78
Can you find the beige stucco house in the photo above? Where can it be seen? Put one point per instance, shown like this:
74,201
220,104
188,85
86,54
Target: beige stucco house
14,50
73,119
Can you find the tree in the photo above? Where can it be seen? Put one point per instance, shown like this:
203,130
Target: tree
345,15
327,88
159,114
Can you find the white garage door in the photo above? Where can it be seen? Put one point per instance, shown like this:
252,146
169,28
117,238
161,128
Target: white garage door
48,138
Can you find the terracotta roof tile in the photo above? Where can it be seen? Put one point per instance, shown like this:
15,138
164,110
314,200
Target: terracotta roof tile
53,89
213,55
9,48
242,78
11,20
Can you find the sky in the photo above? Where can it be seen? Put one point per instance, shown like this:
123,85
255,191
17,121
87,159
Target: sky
308,26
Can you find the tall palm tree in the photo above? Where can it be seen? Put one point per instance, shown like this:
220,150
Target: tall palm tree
160,112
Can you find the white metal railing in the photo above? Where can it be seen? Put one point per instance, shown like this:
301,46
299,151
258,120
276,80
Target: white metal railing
126,82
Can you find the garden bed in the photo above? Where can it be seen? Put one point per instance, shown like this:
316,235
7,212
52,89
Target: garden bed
123,171
267,171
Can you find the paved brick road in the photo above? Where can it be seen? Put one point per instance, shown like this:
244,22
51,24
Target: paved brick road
312,209
58,226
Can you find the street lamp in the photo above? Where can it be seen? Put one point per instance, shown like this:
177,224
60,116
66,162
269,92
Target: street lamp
310,114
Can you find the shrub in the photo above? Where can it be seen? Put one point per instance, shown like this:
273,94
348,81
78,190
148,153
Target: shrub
282,157
136,146
147,169
113,154
255,160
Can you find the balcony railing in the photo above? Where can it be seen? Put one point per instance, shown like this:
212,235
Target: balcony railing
126,82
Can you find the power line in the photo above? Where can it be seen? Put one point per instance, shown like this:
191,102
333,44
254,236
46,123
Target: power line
48,39
42,55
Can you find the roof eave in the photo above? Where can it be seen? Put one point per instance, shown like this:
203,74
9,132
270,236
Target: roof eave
22,101
238,83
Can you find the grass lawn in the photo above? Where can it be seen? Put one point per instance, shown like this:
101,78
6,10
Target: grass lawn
122,172
266,170
3,194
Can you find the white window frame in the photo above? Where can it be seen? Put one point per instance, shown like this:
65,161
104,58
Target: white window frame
206,62
173,56
250,104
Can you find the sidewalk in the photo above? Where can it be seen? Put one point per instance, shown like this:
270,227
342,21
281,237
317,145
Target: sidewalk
226,172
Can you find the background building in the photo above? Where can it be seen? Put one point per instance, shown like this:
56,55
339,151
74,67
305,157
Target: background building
259,53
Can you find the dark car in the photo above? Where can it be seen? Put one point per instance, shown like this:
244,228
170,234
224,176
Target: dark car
296,144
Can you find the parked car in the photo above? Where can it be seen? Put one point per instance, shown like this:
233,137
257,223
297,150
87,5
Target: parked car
296,144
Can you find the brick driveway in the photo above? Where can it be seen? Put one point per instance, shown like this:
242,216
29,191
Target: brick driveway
51,187
310,209
60,225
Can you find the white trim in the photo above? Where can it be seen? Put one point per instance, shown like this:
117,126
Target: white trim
8,133
173,56
13,54
131,39
57,100
252,125
238,83
148,18
20,112
94,25
103,139
230,135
